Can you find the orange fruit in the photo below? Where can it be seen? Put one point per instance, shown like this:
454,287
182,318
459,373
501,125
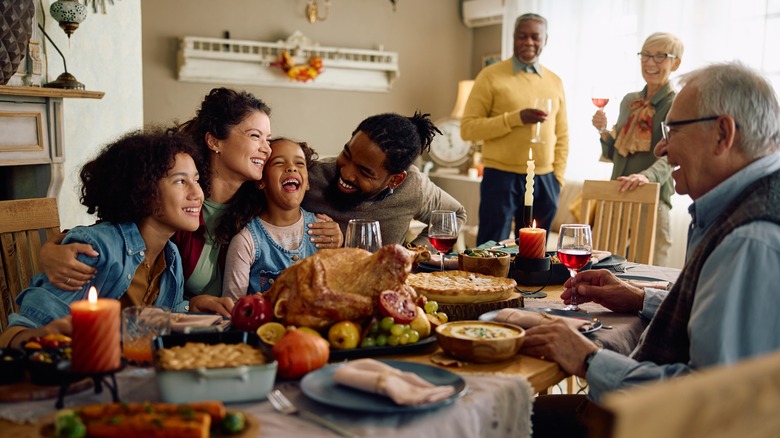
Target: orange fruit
271,332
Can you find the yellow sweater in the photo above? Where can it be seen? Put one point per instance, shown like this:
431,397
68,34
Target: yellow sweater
492,114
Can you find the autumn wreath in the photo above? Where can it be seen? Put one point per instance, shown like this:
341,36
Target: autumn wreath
300,72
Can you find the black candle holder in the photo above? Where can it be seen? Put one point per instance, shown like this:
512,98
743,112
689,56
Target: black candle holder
532,271
107,378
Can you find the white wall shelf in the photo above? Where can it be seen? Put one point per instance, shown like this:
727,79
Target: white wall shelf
218,60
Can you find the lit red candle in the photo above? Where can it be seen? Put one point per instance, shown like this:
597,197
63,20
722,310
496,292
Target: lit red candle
531,242
95,343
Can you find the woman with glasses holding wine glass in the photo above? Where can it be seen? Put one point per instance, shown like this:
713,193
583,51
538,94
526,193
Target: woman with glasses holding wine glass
629,145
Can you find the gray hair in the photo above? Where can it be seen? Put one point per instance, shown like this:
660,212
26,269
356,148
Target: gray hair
737,90
531,17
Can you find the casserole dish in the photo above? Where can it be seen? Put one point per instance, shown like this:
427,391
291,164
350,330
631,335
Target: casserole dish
231,384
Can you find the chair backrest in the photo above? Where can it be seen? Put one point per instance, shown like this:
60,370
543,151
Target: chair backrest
624,222
740,400
21,224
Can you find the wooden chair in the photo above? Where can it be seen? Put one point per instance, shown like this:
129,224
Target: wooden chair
624,222
741,399
22,223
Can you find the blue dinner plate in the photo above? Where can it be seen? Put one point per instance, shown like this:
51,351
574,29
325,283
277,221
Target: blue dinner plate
319,386
610,261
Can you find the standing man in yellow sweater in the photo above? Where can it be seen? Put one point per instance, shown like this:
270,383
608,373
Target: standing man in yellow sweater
500,111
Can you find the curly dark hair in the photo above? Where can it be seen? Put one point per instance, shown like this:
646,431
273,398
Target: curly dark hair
220,110
401,138
249,201
121,183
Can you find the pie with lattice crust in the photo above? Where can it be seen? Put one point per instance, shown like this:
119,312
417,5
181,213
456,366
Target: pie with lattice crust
458,287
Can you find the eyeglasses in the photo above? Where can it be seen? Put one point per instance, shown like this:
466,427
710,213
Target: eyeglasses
666,126
658,57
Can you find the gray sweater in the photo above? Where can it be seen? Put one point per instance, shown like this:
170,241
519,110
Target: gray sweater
415,198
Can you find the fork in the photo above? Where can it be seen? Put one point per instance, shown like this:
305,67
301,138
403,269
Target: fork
622,268
283,405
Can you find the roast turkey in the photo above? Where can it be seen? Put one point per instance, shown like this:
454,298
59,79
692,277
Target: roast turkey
338,284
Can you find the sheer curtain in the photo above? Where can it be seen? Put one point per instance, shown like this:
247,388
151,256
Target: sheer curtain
593,44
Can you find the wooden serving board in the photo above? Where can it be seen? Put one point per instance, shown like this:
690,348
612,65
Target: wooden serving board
27,391
471,311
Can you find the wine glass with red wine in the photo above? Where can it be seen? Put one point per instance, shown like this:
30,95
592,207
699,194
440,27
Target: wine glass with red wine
575,246
443,232
600,102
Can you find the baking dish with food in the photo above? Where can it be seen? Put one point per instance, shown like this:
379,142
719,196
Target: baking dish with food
226,384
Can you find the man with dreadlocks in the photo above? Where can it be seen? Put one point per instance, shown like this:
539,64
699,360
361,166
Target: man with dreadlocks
374,178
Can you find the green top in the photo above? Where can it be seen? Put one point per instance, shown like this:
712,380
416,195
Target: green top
655,169
206,278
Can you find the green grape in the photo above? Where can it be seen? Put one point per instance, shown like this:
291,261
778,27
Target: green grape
386,323
404,339
442,317
407,327
374,328
431,307
381,340
414,336
393,340
397,329
368,342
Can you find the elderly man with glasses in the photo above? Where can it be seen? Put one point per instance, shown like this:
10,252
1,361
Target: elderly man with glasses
629,145
722,136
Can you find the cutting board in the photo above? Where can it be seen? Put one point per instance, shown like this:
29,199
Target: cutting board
471,311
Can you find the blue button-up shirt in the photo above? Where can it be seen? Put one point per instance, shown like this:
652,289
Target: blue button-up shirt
733,315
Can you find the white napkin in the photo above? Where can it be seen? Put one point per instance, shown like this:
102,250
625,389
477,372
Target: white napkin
404,388
526,319
186,323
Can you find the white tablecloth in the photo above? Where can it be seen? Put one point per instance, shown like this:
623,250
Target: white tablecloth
494,406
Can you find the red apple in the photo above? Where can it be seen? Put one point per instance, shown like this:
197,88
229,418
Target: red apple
250,312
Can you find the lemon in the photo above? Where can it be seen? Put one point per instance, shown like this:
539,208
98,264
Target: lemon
271,332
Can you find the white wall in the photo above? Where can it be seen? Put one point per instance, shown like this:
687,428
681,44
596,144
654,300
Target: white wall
105,55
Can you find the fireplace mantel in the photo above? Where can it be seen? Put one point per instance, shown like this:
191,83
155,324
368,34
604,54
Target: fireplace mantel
32,147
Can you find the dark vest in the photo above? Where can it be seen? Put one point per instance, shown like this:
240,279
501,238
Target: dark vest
666,340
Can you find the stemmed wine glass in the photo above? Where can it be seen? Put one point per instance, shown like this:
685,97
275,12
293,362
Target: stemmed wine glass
443,232
600,103
543,104
364,234
575,246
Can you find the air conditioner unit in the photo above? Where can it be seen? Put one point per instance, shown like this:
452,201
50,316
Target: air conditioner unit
478,13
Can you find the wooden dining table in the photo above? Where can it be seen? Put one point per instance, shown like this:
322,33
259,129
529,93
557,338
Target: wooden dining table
497,402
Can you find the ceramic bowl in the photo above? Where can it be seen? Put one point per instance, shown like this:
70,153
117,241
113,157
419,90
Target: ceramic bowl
230,384
480,341
496,265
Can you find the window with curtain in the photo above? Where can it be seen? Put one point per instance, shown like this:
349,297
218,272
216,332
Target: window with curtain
593,44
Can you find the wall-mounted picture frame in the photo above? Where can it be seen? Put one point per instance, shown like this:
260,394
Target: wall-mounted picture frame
490,59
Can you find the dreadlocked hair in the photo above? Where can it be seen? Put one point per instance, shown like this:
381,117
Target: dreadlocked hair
250,201
220,110
401,138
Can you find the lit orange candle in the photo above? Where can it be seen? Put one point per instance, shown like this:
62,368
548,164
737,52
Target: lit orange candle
95,344
531,242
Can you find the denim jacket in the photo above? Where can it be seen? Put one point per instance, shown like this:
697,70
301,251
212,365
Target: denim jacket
121,250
